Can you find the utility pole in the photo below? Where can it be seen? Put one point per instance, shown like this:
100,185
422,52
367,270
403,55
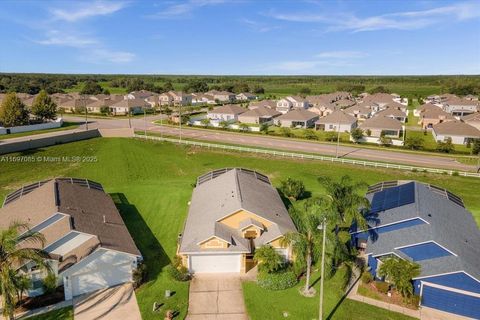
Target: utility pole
86,113
145,120
180,121
322,272
338,139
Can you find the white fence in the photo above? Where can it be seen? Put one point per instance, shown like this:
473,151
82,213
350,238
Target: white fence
33,127
312,157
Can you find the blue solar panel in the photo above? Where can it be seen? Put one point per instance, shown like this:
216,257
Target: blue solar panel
393,197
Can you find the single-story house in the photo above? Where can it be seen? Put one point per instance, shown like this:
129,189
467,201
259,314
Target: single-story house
233,212
98,105
229,112
297,118
424,107
359,111
175,98
221,96
473,120
245,96
430,226
433,115
272,104
134,106
291,102
459,132
259,115
141,94
393,113
376,125
338,121
75,104
344,103
87,243
201,98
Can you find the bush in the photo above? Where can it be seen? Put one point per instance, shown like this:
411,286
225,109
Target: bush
382,286
140,275
292,189
414,300
367,277
50,283
277,281
180,274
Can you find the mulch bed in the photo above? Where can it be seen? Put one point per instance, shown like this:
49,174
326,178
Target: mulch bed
395,298
31,303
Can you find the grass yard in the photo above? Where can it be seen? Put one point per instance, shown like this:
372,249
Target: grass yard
60,314
264,304
65,126
152,182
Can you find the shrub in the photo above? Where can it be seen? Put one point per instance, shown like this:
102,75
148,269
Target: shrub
268,259
310,134
50,283
414,300
277,281
331,136
293,189
140,275
382,286
180,274
367,277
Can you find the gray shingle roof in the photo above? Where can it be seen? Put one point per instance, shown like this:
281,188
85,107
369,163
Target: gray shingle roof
226,193
449,224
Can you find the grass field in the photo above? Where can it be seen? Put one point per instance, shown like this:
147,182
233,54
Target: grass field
60,314
65,126
151,183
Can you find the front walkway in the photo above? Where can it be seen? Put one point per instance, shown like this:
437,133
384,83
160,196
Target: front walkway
112,303
216,297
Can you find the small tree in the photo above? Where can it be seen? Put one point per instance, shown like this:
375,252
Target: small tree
205,122
293,189
286,132
384,139
244,127
400,272
264,127
368,132
414,143
356,134
268,259
50,283
13,111
445,146
331,136
310,134
44,107
224,124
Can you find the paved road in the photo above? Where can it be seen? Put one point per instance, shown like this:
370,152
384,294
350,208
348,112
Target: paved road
278,143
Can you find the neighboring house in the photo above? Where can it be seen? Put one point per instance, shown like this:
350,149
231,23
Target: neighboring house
424,107
359,111
433,115
381,101
393,113
297,118
344,103
99,104
390,127
201,98
221,96
229,112
473,120
430,226
338,121
87,243
459,132
134,106
291,102
142,94
245,96
232,213
324,110
471,97
272,104
259,116
75,104
175,98
460,107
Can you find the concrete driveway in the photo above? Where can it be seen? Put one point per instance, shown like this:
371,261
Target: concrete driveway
216,297
114,303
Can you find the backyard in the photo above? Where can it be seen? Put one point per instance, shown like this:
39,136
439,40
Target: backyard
152,182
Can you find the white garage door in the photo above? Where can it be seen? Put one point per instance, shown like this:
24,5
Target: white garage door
215,263
100,279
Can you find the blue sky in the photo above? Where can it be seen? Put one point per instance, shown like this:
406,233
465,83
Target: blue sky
241,37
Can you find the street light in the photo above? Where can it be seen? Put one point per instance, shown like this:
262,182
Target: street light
338,139
145,120
322,227
86,116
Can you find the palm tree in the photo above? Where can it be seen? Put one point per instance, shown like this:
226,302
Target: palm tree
345,201
306,243
400,272
13,257
268,259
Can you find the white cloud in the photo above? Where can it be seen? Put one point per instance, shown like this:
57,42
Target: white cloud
341,54
106,55
258,26
87,10
56,38
406,20
184,8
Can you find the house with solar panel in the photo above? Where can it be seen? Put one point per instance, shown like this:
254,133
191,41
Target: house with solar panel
430,226
86,243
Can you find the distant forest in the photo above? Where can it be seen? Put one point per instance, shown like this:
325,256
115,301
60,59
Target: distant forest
265,86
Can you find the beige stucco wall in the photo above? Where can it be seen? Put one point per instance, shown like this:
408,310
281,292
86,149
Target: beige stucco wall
234,219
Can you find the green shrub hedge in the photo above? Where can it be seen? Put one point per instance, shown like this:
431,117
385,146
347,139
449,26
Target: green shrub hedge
179,274
277,281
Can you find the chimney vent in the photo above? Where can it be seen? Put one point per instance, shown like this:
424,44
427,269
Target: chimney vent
104,219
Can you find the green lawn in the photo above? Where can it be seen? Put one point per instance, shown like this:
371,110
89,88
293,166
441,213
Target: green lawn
65,126
264,304
152,183
60,314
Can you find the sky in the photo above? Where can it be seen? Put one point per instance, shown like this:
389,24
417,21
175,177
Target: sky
241,37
